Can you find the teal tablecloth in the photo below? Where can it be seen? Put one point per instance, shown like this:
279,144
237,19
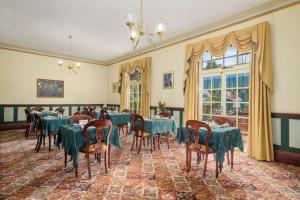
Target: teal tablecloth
53,124
222,140
73,141
154,126
117,118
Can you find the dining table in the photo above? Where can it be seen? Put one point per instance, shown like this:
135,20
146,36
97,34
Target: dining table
223,139
116,118
52,124
72,139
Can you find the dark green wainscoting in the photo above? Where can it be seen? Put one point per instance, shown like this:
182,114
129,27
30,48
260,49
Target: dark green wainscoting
13,115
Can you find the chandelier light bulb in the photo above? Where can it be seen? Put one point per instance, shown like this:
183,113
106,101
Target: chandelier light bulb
160,28
133,34
130,20
78,64
60,62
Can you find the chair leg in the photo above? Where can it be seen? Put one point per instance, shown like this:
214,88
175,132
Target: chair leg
154,145
140,147
151,141
49,142
44,138
37,143
228,160
144,142
106,161
232,153
205,165
217,169
127,131
136,142
132,142
41,136
158,142
88,164
187,155
198,158
190,160
66,157
76,170
109,151
168,138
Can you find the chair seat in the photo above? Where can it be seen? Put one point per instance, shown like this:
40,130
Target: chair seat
99,147
201,148
145,133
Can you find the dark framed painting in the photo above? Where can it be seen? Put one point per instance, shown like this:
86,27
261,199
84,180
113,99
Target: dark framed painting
50,88
168,80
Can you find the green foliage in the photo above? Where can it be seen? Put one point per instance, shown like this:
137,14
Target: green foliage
162,106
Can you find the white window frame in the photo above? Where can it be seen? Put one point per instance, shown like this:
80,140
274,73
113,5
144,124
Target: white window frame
134,83
236,69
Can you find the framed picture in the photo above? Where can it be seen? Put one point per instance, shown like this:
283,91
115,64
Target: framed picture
115,87
168,80
50,88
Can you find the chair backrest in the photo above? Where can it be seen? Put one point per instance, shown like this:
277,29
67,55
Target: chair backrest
77,117
60,110
137,122
38,122
99,124
223,120
28,116
104,114
93,114
193,131
85,111
39,109
125,111
165,114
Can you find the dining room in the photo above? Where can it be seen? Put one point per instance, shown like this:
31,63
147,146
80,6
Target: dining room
140,99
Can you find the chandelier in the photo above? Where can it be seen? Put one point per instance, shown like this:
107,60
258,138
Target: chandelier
137,30
70,67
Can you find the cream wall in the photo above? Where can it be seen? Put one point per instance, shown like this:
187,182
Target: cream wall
285,29
20,71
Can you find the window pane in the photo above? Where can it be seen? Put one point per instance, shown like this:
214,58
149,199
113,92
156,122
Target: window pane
243,80
216,82
216,109
231,51
243,95
231,95
206,108
206,56
206,65
206,95
230,61
206,118
243,109
231,81
244,58
231,109
243,124
216,95
206,82
217,63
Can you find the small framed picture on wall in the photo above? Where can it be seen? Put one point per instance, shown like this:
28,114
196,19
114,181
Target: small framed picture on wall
115,87
168,80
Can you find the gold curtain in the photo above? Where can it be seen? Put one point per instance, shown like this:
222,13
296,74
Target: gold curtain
144,67
257,40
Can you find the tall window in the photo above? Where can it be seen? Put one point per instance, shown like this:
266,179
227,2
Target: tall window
225,87
134,92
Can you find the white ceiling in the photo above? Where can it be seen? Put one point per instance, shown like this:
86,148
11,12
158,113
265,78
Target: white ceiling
98,26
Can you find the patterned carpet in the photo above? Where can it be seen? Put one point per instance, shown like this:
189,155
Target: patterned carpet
25,174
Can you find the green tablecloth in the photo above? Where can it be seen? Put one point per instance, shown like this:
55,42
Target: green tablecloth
222,140
117,118
73,141
154,126
53,124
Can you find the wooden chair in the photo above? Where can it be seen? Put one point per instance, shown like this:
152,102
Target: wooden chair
139,132
223,120
101,146
85,111
193,132
60,110
122,126
164,135
28,123
104,114
39,132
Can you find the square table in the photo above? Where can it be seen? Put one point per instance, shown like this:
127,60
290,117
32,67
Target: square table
155,126
222,140
53,124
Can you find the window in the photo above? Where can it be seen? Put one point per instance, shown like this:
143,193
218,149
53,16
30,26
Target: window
231,58
225,87
134,92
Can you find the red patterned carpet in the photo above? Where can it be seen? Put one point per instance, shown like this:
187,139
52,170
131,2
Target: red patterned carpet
25,174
